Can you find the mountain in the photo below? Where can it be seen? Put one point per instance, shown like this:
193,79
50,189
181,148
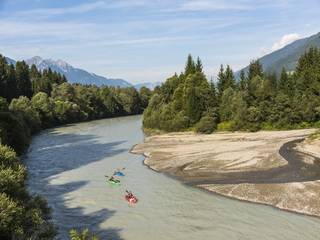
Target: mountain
150,85
75,75
10,61
288,56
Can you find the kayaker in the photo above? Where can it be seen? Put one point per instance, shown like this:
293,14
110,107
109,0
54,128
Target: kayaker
113,179
130,195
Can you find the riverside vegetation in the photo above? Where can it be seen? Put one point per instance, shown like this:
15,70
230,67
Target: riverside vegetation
31,100
258,100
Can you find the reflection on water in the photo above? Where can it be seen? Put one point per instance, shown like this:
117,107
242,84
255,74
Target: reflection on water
67,166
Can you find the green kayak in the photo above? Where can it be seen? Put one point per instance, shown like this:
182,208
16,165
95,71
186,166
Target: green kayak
114,183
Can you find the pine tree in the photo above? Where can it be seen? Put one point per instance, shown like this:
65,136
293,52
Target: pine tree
12,83
255,69
23,79
3,77
221,81
284,81
199,67
243,84
229,78
190,66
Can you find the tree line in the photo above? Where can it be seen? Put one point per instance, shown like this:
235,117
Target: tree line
257,100
31,100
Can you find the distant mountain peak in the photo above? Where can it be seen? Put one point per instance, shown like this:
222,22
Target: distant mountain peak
288,56
75,75
36,59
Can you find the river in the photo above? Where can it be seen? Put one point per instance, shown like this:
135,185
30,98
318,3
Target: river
67,166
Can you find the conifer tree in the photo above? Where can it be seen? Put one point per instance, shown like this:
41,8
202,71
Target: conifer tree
23,79
255,69
199,67
190,66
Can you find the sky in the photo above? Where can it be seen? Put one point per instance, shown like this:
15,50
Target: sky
149,40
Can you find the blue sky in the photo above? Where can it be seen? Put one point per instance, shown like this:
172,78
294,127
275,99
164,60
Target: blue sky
144,40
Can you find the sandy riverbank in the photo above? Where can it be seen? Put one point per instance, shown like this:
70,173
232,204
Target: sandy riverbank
277,168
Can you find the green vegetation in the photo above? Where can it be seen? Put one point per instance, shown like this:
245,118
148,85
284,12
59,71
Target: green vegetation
256,101
314,136
31,100
84,235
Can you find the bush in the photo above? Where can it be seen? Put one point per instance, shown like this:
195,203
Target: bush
316,124
8,157
10,218
14,131
3,104
206,125
84,235
226,126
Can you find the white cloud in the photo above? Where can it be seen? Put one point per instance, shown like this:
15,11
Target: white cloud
206,5
81,8
285,40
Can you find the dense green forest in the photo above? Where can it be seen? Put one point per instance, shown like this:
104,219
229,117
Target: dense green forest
31,100
256,101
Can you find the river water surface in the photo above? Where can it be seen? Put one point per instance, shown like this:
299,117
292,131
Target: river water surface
67,166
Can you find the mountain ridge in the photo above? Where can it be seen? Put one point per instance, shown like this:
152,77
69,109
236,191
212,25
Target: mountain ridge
75,75
287,56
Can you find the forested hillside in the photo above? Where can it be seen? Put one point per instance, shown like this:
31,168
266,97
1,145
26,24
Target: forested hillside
31,100
257,101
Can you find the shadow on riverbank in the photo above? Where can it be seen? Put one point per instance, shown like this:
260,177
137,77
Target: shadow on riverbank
295,171
53,153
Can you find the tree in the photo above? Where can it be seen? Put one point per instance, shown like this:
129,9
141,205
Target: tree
23,79
199,67
23,106
12,89
243,83
82,235
3,77
190,66
45,107
284,81
145,95
255,69
225,80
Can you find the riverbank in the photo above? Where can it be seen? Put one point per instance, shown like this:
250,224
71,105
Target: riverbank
277,168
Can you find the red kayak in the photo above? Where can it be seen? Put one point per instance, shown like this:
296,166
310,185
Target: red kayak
131,199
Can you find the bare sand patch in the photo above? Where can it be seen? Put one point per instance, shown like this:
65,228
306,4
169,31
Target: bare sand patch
270,167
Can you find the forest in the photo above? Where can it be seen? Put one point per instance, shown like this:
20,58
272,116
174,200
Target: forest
32,100
255,100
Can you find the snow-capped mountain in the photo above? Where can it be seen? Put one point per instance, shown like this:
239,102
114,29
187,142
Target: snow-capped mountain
75,75
10,61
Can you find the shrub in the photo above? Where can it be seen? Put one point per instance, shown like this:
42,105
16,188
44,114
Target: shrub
14,131
83,235
10,218
206,125
226,126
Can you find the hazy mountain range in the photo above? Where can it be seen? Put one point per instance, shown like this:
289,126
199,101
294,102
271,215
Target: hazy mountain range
77,75
288,56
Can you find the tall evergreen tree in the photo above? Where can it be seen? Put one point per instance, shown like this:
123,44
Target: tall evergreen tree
199,67
243,84
283,81
12,83
221,81
255,69
190,66
23,79
3,77
229,78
